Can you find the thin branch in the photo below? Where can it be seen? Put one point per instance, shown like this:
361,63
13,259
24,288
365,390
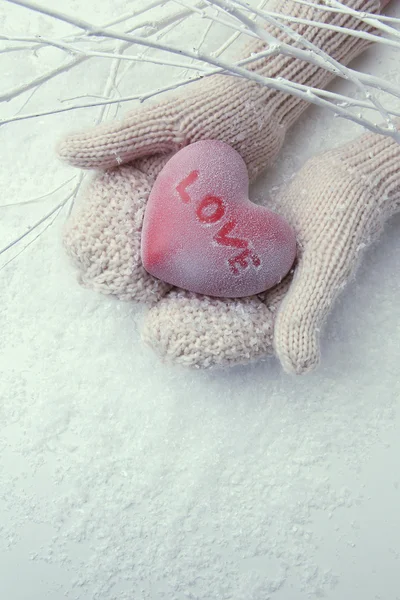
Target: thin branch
49,224
200,45
98,54
136,13
365,35
161,32
340,99
216,19
16,49
38,198
328,62
223,67
55,111
291,51
232,38
164,23
311,95
243,24
109,86
96,31
38,223
369,19
152,27
121,19
18,90
349,74
344,10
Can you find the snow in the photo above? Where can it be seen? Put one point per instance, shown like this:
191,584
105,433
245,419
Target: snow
122,477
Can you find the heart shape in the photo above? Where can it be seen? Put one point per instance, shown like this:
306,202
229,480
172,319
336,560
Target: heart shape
203,234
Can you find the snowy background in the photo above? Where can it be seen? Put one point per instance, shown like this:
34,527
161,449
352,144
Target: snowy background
123,478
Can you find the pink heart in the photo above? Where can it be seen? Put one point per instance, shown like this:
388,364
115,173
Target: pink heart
201,232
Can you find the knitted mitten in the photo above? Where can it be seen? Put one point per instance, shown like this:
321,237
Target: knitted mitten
337,204
103,235
251,118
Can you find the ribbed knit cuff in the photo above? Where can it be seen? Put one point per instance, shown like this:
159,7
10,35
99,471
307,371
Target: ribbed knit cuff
375,162
251,118
342,47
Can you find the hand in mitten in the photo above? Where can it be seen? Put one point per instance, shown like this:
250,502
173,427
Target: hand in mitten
337,203
103,236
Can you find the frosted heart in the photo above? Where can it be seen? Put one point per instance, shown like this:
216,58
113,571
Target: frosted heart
201,232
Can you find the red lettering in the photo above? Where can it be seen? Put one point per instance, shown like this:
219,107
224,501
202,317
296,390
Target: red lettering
181,187
217,209
222,236
211,210
241,260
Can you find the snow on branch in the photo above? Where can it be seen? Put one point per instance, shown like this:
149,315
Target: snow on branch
151,35
208,64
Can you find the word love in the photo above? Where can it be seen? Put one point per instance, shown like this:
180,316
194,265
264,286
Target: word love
201,232
209,212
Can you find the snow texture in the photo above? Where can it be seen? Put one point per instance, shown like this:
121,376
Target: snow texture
122,478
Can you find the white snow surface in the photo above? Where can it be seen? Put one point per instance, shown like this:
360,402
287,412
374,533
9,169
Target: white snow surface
124,478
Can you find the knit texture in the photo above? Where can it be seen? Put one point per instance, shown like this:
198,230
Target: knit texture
251,118
103,234
338,204
199,331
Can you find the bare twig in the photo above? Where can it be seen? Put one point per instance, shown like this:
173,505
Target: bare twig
40,221
342,9
88,41
20,89
345,72
162,24
39,198
365,35
278,84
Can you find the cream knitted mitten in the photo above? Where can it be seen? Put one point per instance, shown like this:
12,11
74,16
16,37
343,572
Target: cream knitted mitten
337,204
251,118
103,236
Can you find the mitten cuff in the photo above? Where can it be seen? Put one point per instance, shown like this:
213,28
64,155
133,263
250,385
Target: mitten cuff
340,46
375,162
250,117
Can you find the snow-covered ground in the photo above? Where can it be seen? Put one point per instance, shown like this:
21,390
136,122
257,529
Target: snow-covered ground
123,478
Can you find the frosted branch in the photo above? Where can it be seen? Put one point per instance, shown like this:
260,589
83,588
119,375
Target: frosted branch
340,8
162,24
18,90
97,54
113,39
289,50
364,35
37,199
41,220
327,61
